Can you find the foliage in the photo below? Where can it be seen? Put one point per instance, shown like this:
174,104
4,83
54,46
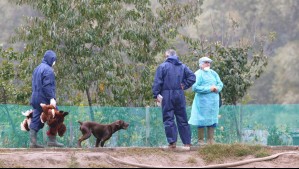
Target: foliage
273,138
279,135
12,90
105,49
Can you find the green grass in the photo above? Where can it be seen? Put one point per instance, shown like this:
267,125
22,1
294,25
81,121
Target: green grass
220,152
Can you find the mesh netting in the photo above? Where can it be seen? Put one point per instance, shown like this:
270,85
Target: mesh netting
250,124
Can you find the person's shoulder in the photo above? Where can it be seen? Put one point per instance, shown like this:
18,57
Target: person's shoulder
198,72
214,72
164,64
185,66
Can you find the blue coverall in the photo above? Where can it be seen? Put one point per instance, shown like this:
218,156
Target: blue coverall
170,76
43,88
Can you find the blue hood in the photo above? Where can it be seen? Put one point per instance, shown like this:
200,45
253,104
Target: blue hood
49,57
174,60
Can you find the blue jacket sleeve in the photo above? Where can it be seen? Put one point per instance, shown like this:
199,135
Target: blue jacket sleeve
190,78
48,82
158,82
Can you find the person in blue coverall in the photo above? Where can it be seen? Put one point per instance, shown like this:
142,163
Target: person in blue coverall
205,106
171,79
43,91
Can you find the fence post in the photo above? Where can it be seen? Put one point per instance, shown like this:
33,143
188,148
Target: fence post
71,134
147,121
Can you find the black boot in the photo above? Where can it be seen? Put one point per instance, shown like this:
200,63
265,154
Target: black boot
33,142
53,143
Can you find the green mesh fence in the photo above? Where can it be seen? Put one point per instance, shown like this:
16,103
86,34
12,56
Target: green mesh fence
251,124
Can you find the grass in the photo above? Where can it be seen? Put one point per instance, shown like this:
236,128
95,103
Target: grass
73,162
219,152
191,160
2,164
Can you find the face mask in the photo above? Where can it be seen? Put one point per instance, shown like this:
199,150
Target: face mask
206,68
53,63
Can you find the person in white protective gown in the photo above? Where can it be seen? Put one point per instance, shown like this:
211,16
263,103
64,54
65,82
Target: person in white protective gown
205,106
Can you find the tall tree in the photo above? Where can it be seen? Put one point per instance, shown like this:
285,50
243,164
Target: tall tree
105,48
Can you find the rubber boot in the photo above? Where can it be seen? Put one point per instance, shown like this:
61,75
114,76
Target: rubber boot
201,136
53,143
211,135
33,139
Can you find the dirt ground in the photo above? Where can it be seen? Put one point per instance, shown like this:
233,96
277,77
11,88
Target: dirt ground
133,158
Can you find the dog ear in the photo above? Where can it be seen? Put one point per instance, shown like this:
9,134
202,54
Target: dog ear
117,123
65,114
121,122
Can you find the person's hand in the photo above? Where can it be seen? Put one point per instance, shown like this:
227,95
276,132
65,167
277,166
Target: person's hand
182,86
158,102
214,89
53,102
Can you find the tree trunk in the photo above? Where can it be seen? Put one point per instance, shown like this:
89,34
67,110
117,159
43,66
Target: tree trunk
238,123
91,114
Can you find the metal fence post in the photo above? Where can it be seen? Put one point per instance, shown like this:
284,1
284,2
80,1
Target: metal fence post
147,121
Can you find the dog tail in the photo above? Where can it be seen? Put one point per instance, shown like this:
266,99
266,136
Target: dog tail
80,123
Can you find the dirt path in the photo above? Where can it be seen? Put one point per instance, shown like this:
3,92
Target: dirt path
101,158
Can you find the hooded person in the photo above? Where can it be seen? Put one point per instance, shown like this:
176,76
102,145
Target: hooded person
43,91
171,79
205,106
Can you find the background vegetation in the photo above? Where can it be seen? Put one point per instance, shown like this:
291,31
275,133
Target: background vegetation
224,22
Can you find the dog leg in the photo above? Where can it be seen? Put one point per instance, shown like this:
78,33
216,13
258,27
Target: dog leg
102,143
105,139
98,142
84,137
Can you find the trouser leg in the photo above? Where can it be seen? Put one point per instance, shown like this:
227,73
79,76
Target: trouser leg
170,127
183,126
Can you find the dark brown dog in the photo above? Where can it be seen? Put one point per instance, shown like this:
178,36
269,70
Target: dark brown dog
102,132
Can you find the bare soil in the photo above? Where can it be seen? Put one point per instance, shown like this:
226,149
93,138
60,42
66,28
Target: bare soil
131,158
